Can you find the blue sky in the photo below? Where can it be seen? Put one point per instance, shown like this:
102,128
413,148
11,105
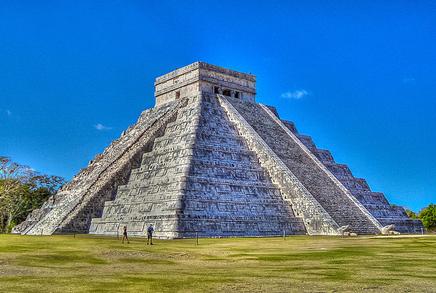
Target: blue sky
359,77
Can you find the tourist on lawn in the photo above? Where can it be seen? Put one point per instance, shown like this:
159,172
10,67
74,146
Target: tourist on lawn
150,231
125,235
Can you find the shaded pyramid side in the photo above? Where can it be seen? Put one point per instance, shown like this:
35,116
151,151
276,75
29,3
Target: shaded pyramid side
320,184
73,207
200,178
375,202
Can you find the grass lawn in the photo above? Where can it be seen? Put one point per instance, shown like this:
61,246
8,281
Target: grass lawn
297,264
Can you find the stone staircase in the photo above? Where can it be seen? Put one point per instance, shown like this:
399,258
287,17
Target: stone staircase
199,179
335,199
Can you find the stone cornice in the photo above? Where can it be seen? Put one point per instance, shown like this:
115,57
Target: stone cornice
203,65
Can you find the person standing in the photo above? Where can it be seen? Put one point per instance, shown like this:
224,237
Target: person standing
150,231
125,235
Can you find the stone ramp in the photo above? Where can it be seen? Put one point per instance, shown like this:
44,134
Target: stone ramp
322,185
77,202
199,179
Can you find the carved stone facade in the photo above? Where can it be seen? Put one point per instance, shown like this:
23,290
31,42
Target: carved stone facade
208,160
201,77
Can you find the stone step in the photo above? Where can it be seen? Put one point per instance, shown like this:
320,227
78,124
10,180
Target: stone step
339,170
191,138
200,149
225,184
370,197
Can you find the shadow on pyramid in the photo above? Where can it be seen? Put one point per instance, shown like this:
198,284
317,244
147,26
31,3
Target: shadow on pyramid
209,161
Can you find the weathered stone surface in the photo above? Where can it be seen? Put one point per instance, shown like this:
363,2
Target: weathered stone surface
217,185
209,161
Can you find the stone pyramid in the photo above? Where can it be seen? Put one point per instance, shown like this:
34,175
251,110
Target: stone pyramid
208,160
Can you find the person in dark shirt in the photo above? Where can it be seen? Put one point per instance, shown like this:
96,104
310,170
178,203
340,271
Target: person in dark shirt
150,231
125,235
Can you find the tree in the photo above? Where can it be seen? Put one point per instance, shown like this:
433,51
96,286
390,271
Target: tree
428,217
22,190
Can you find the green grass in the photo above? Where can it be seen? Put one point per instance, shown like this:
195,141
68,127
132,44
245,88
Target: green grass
297,264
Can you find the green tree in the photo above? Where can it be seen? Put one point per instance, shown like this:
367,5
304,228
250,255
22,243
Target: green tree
21,191
428,217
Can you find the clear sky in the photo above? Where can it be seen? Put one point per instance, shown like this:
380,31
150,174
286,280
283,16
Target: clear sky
358,76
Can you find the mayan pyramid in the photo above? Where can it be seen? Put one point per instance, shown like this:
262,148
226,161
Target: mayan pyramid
208,160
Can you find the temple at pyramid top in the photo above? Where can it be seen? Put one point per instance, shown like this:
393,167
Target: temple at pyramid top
199,77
